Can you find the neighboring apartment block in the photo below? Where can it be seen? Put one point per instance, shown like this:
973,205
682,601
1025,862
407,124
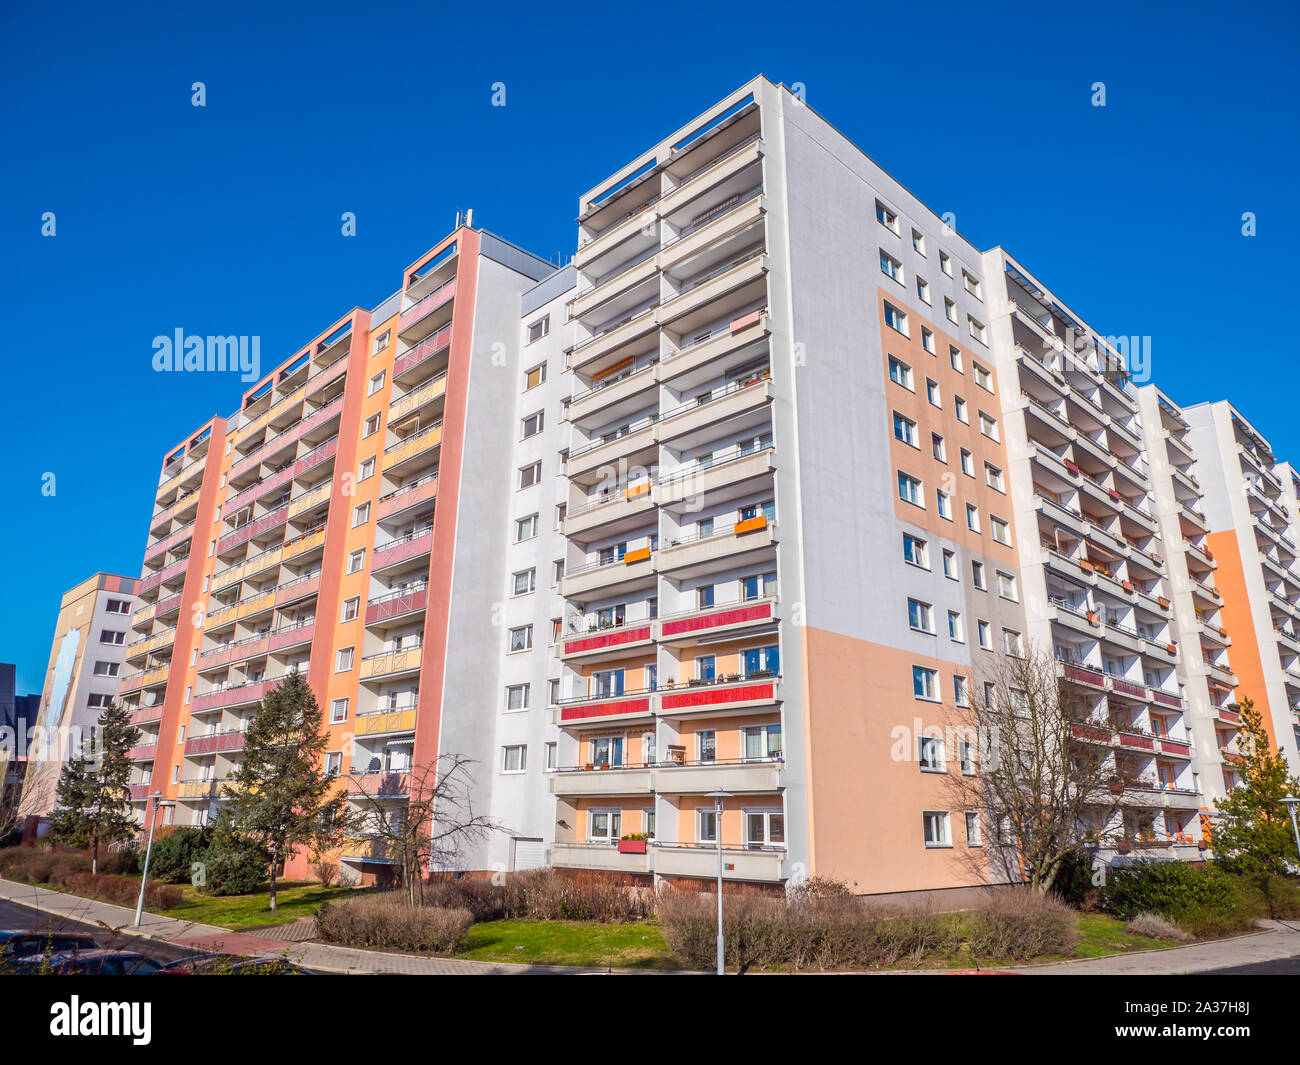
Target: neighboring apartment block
87,658
725,515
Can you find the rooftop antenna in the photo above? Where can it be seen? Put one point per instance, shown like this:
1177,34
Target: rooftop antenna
469,218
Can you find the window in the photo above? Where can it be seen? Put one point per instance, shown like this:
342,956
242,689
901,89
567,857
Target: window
382,341
909,490
606,751
1011,642
943,504
930,754
983,377
960,691
524,581
956,630
764,828
107,669
945,263
886,217
891,267
108,636
1006,586
977,330
972,517
360,514
366,469
558,573
338,711
552,691
760,742
949,309
514,758
521,639
517,697
356,560
967,463
706,745
1001,530
993,477
904,429
351,608
977,575
922,290
973,837
604,826
895,319
936,828
918,242
539,328
705,667
117,606
920,616
900,373
530,475
534,377
98,700
963,415
343,660
525,528
925,683
758,586
371,426
932,393
949,564
954,357
972,285
376,383
927,340
706,826
988,425
533,424
985,635
914,551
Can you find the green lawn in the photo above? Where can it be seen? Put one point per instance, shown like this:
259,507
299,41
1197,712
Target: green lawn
580,943
1100,934
293,899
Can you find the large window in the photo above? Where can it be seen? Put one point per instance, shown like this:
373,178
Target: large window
605,826
761,742
764,828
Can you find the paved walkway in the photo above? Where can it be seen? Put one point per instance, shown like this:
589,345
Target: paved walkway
1278,940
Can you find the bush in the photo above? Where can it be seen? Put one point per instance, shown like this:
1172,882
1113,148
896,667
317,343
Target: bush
174,854
545,895
1280,895
387,920
1153,926
121,860
42,865
1167,888
1073,884
235,866
1020,924
125,891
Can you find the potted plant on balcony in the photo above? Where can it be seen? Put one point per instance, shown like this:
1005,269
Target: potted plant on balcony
633,843
1124,846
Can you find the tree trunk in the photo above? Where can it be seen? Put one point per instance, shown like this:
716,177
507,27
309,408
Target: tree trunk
94,853
273,863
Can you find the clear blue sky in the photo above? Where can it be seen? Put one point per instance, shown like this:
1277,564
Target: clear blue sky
225,219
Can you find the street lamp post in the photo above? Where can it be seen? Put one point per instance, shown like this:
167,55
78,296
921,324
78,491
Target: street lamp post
717,797
158,803
1291,801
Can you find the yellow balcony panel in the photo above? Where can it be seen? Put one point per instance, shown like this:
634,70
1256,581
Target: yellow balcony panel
385,721
255,605
310,499
389,663
413,446
294,548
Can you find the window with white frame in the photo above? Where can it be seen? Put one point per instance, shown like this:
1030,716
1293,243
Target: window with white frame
900,373
973,836
360,514
967,462
972,517
891,267
370,426
930,754
983,377
909,490
988,425
764,828
927,339
1006,586
523,581
343,660
366,469
918,242
1000,529
920,616
525,528
514,758
977,329
534,377
530,475
936,828
956,630
945,263
915,551
960,690
972,285
937,448
949,564
604,826
539,328
985,635
338,711
925,683
521,639
904,429
949,309
1011,642
376,382
351,608
357,560
954,357
943,504
896,319
923,290
977,574
886,217
993,477
533,424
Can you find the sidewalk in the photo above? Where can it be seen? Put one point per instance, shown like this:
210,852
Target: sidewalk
1278,940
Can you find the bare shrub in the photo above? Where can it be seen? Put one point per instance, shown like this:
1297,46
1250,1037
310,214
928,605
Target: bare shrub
388,920
1153,926
326,873
1020,924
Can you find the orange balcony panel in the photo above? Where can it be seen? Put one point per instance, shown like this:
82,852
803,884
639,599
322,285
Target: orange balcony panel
639,555
751,524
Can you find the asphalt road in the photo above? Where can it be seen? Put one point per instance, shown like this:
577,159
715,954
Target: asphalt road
1280,967
16,916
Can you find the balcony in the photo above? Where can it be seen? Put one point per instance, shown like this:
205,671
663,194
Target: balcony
369,849
635,569
144,752
425,490
233,695
421,443
162,576
298,589
739,212
621,509
748,279
703,696
619,337
418,397
634,444
706,348
423,351
595,708
397,604
700,861
725,167
250,530
295,635
746,543
390,664
601,780
216,743
738,399
413,546
736,775
628,389
415,322
725,476
637,635
386,722
601,856
147,714
199,789
381,785
737,618
612,286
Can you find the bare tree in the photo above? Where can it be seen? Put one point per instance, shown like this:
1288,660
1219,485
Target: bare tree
422,819
1038,763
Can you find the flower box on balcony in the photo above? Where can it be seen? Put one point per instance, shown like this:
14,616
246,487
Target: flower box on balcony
1114,494
1128,586
1071,466
1085,565
1164,603
1116,787
1171,648
631,846
751,524
1124,847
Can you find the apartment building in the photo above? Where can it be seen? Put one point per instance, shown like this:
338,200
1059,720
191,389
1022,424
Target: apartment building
789,524
87,659
1250,523
299,533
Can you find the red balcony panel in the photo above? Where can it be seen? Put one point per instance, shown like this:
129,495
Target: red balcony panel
139,791
407,497
295,590
623,706
396,605
737,616
172,602
1127,687
413,548
610,639
145,752
426,306
1145,743
253,528
430,345
719,696
1090,677
217,743
147,714
1166,699
1175,747
229,696
236,652
169,541
261,488
291,637
166,573
1096,733
378,785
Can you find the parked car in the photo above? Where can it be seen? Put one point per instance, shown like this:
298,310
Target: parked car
18,944
233,965
94,962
